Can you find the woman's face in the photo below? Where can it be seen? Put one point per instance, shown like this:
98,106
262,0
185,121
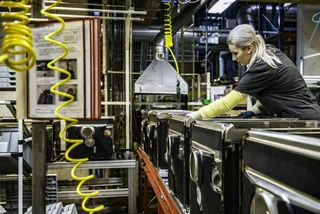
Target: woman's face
242,56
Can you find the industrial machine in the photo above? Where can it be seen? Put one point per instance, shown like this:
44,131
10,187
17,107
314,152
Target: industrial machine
98,137
217,151
145,143
178,151
176,166
205,174
156,133
205,157
280,171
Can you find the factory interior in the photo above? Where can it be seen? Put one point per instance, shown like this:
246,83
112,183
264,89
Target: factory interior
97,98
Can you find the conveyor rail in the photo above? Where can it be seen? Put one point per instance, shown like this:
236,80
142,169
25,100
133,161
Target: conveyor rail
166,204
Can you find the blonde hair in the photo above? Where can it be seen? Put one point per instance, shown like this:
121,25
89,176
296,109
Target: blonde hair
244,35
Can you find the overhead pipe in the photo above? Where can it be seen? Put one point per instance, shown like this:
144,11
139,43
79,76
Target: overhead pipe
214,48
247,13
143,34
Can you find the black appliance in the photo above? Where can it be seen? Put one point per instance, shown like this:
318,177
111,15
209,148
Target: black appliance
178,160
98,137
205,167
224,135
281,172
205,174
175,166
158,132
145,130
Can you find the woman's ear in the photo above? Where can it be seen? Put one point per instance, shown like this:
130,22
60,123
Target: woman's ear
250,48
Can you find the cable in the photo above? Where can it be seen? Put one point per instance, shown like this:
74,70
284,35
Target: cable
168,32
18,39
150,202
314,31
72,121
169,42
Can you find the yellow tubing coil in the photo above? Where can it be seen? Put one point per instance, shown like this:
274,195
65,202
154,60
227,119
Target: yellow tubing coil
168,32
70,121
18,34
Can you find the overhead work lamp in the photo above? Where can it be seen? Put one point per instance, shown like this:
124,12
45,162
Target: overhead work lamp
220,6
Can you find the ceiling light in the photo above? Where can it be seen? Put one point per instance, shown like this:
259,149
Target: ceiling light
220,6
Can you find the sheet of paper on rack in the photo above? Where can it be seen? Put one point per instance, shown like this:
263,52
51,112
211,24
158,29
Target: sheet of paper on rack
42,102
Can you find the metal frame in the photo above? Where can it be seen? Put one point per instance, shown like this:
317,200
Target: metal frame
20,167
127,69
112,164
21,130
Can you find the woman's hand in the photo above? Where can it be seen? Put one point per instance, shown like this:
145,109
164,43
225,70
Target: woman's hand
195,115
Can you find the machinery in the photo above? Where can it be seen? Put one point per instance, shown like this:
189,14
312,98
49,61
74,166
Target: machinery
145,142
215,160
205,174
280,172
158,133
98,136
178,149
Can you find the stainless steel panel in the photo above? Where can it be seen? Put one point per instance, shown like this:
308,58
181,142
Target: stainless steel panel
282,192
301,145
160,78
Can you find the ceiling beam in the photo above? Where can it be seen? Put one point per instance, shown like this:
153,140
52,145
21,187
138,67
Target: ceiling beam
151,6
287,1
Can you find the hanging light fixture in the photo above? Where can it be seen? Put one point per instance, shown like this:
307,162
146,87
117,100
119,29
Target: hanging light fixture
220,6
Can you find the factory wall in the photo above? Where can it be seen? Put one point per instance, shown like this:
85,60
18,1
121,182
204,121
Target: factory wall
305,28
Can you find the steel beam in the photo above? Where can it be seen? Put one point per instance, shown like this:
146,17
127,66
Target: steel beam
114,164
103,193
39,158
132,183
128,35
36,7
38,145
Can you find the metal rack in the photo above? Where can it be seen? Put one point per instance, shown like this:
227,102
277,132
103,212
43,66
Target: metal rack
22,132
10,191
129,192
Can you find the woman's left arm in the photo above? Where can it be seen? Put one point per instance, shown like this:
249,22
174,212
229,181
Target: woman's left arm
222,105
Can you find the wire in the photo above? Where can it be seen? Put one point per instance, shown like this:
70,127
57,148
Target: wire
150,202
169,43
72,121
18,40
168,32
314,31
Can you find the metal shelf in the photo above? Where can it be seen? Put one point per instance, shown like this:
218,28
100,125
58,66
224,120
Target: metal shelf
107,193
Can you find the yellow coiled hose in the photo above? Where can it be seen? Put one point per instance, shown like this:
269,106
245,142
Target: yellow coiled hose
168,32
70,121
18,34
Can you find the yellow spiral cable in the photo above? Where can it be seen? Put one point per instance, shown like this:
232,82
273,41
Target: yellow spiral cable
18,34
168,32
72,121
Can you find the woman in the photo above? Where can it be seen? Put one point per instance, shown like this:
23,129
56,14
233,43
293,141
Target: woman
271,77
